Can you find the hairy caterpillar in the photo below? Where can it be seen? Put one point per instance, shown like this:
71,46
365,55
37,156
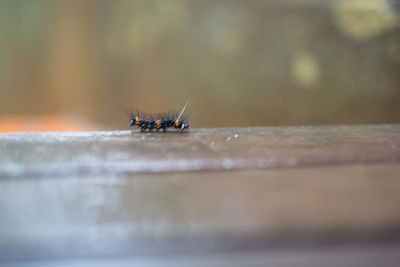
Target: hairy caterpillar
159,122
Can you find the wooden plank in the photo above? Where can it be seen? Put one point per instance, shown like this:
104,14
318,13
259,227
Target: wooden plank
119,152
196,213
73,195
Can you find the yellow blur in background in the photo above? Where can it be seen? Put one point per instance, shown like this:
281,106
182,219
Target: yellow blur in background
70,65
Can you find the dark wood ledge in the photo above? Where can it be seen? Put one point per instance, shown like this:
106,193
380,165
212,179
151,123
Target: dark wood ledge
284,196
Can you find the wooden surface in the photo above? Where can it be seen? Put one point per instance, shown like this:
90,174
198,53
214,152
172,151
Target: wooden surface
326,196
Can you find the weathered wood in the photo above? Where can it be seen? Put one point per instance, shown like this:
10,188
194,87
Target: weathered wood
116,152
128,193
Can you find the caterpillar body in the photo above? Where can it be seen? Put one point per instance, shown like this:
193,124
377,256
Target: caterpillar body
161,122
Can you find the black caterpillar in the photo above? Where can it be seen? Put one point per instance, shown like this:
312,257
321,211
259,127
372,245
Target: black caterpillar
160,122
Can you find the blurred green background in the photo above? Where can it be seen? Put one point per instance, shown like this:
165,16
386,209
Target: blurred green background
241,63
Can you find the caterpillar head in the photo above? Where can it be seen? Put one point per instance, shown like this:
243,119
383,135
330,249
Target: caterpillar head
184,126
181,125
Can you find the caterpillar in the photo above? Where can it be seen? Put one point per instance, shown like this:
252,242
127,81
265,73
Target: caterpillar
159,122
